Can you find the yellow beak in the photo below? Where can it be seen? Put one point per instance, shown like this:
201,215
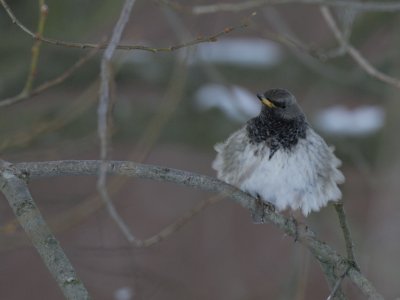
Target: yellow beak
266,101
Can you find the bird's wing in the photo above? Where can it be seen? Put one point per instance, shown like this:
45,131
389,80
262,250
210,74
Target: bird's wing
234,158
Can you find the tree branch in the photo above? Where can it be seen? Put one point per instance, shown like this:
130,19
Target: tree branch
167,231
56,42
51,83
244,5
321,251
336,287
103,116
43,11
346,232
28,215
355,54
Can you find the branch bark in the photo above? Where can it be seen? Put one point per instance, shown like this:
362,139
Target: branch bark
320,250
17,193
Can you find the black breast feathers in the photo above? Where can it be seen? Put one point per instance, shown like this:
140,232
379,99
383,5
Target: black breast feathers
275,132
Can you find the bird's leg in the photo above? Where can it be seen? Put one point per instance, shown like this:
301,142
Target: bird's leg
296,227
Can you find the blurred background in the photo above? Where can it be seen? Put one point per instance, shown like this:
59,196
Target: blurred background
170,108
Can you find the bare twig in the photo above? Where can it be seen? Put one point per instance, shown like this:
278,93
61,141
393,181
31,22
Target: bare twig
55,42
15,20
336,287
321,251
391,6
26,91
355,54
309,55
173,95
346,17
51,83
331,275
79,106
103,113
175,226
28,215
43,11
346,232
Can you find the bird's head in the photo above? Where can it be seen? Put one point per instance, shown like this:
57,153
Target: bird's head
281,103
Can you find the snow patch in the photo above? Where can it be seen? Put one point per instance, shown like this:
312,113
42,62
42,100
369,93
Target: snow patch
235,102
340,120
239,51
124,293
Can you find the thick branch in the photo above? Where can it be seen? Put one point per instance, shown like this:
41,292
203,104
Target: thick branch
321,251
28,215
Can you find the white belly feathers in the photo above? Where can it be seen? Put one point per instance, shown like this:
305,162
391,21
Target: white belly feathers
304,177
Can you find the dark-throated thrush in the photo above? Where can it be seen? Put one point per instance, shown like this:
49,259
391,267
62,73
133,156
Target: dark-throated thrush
278,158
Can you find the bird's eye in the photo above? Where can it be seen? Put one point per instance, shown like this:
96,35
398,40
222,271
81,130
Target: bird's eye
279,104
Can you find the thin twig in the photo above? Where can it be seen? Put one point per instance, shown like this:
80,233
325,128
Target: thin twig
346,18
331,274
51,83
27,89
176,225
43,11
103,112
48,247
346,232
15,20
309,55
336,287
321,251
201,39
76,109
391,6
354,53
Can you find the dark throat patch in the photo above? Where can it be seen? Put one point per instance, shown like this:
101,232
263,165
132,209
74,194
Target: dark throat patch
276,132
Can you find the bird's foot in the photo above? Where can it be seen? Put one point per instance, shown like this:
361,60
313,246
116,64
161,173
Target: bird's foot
258,214
353,264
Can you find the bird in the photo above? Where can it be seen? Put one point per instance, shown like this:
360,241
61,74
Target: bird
279,159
